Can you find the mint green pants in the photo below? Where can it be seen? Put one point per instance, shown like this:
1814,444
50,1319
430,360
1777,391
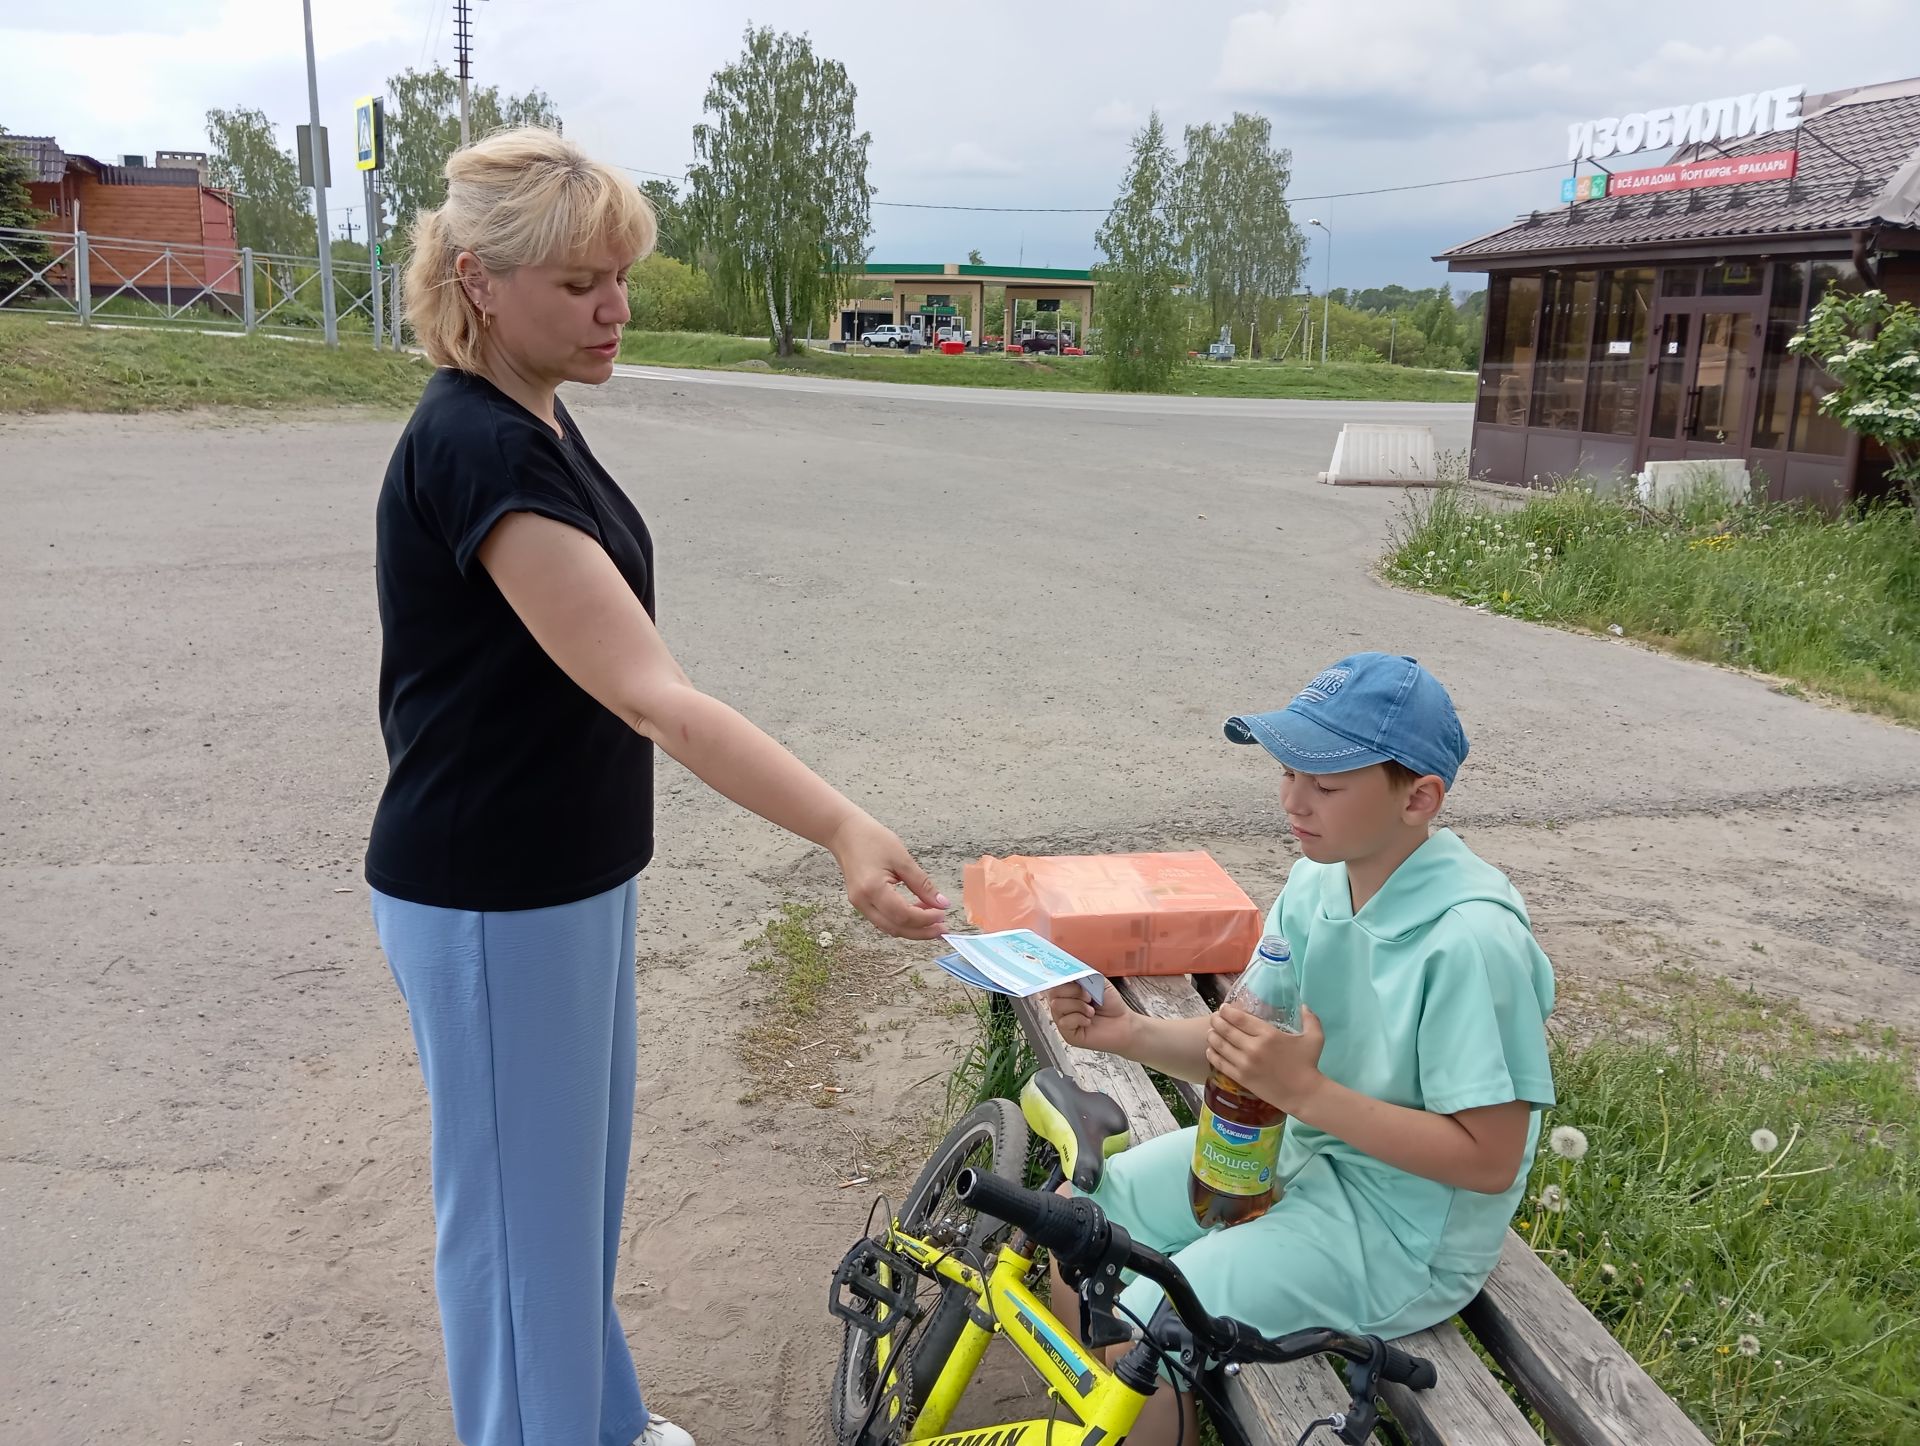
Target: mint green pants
1320,1257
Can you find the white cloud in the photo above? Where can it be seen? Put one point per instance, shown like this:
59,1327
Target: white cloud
1116,117
138,87
1432,57
1699,71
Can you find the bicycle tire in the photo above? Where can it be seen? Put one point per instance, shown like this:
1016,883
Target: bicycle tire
997,1129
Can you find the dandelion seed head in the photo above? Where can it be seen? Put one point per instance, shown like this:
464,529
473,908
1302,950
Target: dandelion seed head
1553,1199
1568,1143
1764,1141
1747,1346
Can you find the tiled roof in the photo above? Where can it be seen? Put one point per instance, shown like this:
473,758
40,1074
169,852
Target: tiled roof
1859,167
44,153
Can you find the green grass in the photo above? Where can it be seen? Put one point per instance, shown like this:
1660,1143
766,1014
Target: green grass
1347,380
47,368
1774,1292
1828,604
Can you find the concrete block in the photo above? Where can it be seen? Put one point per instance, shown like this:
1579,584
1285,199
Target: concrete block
1383,455
1665,482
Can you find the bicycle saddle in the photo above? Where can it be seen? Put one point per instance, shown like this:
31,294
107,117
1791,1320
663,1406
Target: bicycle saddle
1084,1125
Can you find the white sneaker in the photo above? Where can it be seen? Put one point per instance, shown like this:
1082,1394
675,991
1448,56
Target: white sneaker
662,1432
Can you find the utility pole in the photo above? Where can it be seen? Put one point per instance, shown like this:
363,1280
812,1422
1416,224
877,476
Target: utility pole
463,49
319,184
1326,305
349,223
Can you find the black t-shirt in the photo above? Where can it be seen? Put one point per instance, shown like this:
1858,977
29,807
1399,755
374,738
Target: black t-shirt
508,786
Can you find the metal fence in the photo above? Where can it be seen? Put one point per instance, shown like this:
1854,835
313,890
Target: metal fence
127,281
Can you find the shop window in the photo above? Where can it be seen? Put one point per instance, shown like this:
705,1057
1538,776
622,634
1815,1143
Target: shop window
1721,375
1786,307
1506,373
1733,278
1619,359
1669,381
1680,281
1813,430
1566,331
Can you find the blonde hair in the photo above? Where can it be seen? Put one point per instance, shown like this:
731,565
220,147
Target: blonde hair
516,198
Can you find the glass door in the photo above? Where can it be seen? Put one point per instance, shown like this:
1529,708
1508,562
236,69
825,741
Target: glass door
1705,363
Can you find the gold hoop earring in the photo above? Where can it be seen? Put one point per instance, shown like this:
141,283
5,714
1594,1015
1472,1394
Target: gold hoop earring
486,321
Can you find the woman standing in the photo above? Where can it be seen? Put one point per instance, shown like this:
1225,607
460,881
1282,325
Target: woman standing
523,688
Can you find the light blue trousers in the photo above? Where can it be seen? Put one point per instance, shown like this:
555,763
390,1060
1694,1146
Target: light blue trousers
525,1026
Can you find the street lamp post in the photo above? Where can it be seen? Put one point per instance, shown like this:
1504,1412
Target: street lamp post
319,161
1326,307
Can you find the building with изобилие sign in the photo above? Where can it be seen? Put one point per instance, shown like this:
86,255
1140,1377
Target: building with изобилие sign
1646,317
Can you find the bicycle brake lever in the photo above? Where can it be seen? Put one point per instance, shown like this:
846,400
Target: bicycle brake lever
1363,1415
1362,1418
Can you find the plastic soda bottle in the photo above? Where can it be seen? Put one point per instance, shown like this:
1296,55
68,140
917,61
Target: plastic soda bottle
1238,1146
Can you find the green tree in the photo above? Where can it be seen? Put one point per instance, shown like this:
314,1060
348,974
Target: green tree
1237,238
272,211
423,129
974,258
1870,346
1140,340
676,234
17,210
670,295
778,190
1437,321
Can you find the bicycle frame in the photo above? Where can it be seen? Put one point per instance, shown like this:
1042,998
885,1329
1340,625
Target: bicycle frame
1103,1407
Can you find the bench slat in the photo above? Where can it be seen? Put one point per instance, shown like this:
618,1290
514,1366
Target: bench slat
1274,1403
1466,1405
1167,997
1587,1389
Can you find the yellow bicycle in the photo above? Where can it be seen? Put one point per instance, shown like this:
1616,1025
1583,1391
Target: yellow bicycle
922,1297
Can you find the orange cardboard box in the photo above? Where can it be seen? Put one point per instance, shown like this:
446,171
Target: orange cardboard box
1121,913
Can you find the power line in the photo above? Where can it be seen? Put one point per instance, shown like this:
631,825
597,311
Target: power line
1103,210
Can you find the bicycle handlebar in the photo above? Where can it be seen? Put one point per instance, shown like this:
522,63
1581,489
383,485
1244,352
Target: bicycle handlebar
1077,1231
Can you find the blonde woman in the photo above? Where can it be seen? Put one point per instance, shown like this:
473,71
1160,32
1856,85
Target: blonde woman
523,689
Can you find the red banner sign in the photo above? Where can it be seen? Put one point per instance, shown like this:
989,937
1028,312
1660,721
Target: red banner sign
1718,171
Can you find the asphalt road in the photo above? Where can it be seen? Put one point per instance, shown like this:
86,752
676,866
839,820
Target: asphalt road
1006,622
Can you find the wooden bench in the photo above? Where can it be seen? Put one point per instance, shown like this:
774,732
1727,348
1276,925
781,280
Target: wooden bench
1575,1376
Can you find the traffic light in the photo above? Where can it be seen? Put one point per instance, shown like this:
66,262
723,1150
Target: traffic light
377,257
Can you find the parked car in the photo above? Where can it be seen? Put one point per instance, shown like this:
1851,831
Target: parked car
888,335
955,333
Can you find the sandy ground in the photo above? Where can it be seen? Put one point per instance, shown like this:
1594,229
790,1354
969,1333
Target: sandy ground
1007,624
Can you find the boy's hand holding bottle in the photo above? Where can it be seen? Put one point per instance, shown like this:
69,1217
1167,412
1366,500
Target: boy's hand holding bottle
1280,1066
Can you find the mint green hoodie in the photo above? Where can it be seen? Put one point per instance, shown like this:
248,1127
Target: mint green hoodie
1434,996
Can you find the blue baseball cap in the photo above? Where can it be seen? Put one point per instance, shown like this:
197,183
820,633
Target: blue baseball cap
1364,710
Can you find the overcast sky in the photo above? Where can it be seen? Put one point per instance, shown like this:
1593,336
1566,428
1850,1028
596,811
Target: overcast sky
993,103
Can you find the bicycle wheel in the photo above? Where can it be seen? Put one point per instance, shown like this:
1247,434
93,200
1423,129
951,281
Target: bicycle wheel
993,1138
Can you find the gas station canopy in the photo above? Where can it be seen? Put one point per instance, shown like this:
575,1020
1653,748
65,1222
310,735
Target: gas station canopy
1023,283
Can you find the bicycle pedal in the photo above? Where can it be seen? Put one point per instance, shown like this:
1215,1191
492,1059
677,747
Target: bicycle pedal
859,1276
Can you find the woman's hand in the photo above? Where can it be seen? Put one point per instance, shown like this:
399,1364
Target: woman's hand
1279,1066
873,860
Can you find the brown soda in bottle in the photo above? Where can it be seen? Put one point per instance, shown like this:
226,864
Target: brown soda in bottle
1237,1149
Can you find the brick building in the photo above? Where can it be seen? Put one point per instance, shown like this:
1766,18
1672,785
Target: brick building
159,231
